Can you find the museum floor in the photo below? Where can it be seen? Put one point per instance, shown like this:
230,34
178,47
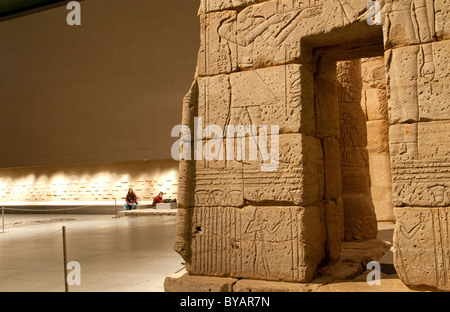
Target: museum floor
128,254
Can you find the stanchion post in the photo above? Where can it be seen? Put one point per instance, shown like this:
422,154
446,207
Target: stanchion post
3,219
66,285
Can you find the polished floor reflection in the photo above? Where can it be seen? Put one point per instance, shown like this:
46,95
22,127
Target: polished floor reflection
130,254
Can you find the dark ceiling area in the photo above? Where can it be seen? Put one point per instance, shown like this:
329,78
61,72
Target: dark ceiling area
14,8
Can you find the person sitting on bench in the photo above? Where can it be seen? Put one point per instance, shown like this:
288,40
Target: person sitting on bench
157,199
131,200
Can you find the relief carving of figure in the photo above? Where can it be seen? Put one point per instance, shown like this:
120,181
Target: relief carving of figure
260,227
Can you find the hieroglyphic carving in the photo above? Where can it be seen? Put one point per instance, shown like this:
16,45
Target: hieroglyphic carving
217,55
257,242
216,5
419,83
422,246
239,38
420,167
421,183
265,34
433,82
442,16
409,22
349,77
279,95
360,219
298,180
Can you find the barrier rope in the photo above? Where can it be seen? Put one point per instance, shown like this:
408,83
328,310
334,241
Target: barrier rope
29,242
46,210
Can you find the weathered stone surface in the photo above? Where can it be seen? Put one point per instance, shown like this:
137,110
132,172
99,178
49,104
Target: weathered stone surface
389,284
353,261
268,33
183,282
422,247
246,285
347,129
378,136
422,178
381,186
256,242
281,95
409,22
217,5
359,217
375,104
418,86
327,105
442,18
217,56
354,258
334,223
333,175
403,142
297,180
412,22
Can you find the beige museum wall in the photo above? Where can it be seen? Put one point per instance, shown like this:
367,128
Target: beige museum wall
91,184
109,90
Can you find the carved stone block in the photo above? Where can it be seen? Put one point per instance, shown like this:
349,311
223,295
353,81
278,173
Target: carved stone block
297,180
378,136
216,55
217,5
359,217
409,22
422,247
333,174
419,86
281,95
334,222
442,17
271,243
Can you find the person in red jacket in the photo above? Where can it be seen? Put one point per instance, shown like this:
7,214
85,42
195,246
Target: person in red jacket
131,200
157,199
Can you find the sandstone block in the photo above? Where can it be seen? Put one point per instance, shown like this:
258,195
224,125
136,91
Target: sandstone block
422,248
419,82
269,243
216,55
376,104
403,141
378,136
359,217
218,5
281,95
334,223
442,18
381,186
183,282
249,34
421,180
409,22
333,175
298,178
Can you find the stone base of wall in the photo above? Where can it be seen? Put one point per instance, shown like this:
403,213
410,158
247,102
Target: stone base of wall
352,263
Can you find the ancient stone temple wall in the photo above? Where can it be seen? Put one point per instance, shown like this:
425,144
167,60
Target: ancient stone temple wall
417,57
359,213
275,209
374,103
